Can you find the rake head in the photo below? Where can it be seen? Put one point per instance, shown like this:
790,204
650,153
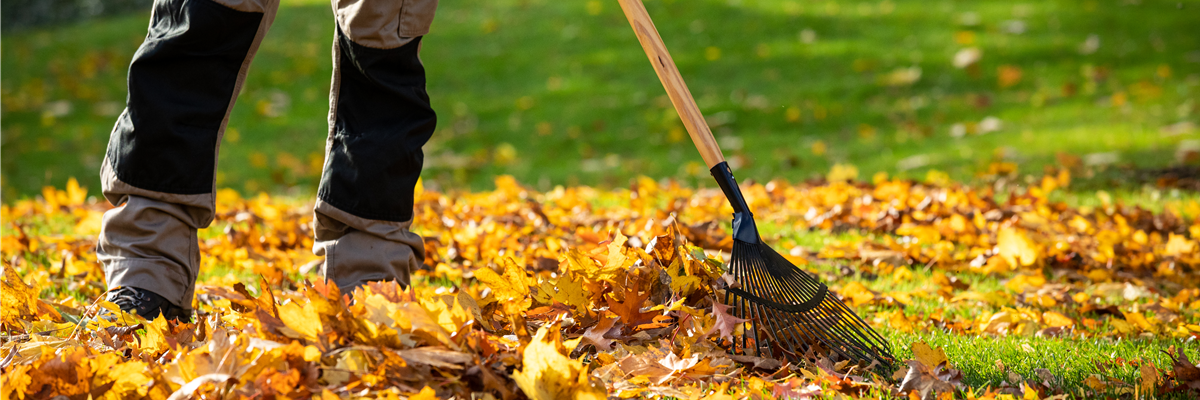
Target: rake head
789,313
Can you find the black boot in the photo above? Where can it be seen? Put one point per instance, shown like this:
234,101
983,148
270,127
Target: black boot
147,304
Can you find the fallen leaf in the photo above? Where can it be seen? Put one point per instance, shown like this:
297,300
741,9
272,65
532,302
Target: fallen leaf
547,373
426,393
595,334
435,357
928,355
924,382
1149,376
1187,375
1057,320
18,301
1015,247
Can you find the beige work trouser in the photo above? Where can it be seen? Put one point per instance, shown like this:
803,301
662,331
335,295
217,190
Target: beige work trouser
150,240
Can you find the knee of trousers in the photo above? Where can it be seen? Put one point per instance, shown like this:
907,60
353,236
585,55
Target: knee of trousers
380,117
384,24
182,82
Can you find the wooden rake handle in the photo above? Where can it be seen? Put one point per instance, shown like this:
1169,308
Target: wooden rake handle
677,90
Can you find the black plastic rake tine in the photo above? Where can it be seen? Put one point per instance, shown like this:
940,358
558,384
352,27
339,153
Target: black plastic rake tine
830,321
875,342
786,334
758,343
728,296
870,333
806,331
822,339
745,314
757,281
770,322
804,314
762,278
741,313
782,326
852,332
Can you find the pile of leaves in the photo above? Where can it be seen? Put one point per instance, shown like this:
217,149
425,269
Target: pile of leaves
579,292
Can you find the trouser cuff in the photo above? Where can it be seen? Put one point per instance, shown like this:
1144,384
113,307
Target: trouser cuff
359,250
153,275
151,244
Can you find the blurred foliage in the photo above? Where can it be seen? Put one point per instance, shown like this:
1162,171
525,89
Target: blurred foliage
23,14
561,93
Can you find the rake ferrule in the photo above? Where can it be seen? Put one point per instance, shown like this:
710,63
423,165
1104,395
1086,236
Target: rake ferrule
744,228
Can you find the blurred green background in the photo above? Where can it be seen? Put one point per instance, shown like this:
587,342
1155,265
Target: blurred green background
560,92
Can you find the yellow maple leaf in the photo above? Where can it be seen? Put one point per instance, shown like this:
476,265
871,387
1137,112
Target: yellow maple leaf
1122,327
89,222
447,312
616,252
327,395
18,301
1149,380
76,194
580,264
842,173
1140,321
513,285
930,356
155,340
858,294
16,380
896,320
412,318
567,290
547,373
681,281
1178,245
1030,393
303,321
1015,247
1056,320
128,379
1023,281
1094,382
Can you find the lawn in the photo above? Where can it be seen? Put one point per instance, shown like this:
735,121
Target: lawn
1065,136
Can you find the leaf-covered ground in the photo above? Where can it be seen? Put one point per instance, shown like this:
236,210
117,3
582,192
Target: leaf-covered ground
579,292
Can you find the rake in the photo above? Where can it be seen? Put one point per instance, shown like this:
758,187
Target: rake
791,315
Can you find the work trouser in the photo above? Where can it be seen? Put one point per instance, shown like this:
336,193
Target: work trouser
161,159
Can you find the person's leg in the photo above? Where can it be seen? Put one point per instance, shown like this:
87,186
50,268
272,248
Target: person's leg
379,117
162,153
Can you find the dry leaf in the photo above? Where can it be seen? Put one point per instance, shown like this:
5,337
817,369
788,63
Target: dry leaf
726,323
19,300
923,381
1015,247
547,373
928,355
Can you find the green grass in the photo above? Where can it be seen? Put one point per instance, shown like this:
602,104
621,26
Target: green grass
1070,361
561,93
